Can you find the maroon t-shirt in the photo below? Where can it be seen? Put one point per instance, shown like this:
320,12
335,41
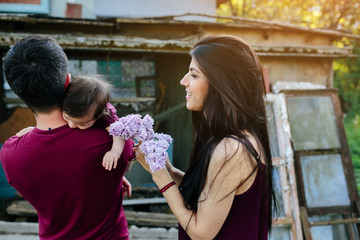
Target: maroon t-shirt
60,173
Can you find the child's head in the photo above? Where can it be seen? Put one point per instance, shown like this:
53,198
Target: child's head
85,100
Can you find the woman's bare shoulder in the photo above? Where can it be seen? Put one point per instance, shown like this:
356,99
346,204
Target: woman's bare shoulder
227,150
230,164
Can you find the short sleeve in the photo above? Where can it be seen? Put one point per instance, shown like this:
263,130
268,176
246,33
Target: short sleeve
128,153
109,117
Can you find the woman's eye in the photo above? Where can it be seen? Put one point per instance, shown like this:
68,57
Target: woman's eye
193,75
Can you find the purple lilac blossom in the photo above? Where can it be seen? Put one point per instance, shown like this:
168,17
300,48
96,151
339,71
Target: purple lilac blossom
155,153
133,126
154,145
163,136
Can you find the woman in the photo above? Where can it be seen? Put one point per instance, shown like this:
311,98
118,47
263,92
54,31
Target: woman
227,191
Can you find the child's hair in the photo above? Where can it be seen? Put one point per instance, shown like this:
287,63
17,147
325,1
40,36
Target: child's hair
86,95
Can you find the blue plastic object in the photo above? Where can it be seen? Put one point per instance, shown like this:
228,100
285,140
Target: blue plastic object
6,191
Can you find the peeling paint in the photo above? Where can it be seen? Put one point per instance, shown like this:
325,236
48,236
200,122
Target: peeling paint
121,43
167,34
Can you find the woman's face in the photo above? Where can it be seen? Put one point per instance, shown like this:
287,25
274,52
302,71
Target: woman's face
196,86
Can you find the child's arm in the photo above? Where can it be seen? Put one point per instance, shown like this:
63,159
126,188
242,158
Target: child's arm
24,131
111,158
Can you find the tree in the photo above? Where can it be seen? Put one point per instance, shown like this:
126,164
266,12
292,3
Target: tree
347,80
331,14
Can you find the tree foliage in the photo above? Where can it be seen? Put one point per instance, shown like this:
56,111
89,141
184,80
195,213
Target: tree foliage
331,14
347,80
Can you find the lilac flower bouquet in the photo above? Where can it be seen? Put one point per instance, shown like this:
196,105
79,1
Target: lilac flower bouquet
133,126
154,145
155,151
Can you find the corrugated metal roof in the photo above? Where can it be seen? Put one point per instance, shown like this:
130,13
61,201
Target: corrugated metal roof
129,43
236,22
161,34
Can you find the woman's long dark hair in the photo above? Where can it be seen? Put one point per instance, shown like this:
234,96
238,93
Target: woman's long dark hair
234,104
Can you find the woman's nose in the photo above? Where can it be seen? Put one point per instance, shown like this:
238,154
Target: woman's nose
183,81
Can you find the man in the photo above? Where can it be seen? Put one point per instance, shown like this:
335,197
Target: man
56,168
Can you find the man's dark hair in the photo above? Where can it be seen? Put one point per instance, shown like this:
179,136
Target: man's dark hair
36,68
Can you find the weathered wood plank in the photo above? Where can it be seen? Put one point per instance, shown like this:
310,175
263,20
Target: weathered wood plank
151,219
145,219
21,208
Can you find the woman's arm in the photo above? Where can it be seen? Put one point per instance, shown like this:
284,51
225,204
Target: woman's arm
226,170
175,173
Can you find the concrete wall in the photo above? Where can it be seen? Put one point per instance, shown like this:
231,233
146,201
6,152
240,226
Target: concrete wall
58,8
147,8
289,56
316,71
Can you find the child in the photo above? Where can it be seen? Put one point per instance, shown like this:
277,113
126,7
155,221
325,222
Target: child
85,103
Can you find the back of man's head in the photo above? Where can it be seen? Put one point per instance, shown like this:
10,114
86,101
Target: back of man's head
36,68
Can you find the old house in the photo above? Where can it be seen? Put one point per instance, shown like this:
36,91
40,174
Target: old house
145,58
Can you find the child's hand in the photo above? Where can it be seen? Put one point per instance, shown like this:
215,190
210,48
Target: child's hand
24,131
126,185
110,160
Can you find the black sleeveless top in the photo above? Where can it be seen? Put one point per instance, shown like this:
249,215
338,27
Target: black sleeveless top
246,220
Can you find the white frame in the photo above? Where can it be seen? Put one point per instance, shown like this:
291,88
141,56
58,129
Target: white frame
286,167
42,8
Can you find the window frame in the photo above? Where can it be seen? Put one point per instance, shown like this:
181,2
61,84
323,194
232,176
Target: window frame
350,212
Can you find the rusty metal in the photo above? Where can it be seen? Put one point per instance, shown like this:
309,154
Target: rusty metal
163,34
117,43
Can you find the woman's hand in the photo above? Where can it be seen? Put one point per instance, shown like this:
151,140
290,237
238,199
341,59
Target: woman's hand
140,157
175,173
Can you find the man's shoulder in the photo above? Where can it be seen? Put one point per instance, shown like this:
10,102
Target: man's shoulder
9,148
9,143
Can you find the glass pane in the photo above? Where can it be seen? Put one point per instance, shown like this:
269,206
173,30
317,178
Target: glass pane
146,87
313,123
280,233
328,232
272,130
121,74
82,67
324,181
278,192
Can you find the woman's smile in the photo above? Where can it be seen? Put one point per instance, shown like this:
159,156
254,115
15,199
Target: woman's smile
196,85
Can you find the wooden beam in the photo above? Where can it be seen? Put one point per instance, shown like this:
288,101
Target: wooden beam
146,219
305,223
169,113
334,222
112,100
